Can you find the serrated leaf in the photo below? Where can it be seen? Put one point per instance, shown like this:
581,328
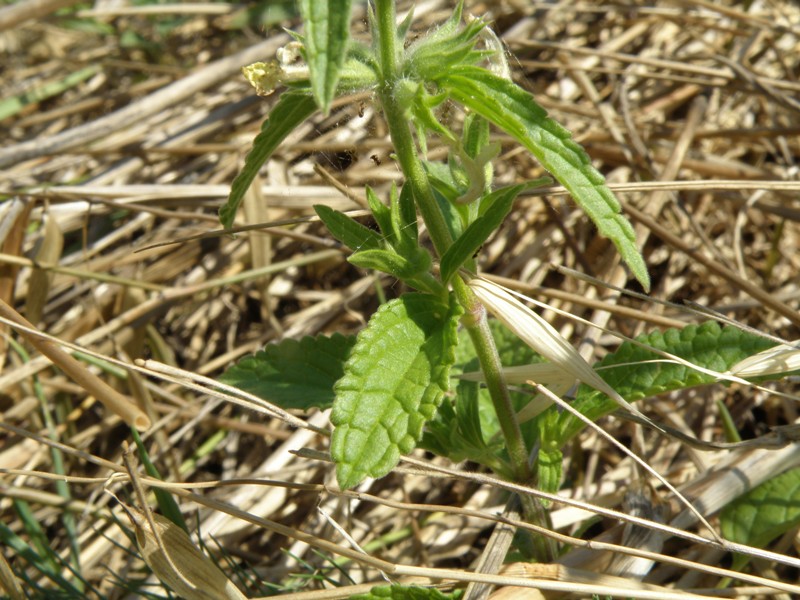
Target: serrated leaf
478,232
764,513
393,382
708,346
327,29
294,374
348,231
515,111
290,111
401,592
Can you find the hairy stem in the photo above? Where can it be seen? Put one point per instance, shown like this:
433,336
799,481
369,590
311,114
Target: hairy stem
475,319
478,328
402,139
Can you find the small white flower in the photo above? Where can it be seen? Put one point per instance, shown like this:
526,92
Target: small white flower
266,76
543,338
779,359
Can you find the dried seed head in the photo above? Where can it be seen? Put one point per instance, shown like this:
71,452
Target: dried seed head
779,359
543,338
177,562
545,373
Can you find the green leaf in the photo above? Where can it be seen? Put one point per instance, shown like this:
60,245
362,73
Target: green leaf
393,383
408,214
514,110
327,29
294,374
457,424
548,469
400,592
388,261
166,502
764,513
456,431
348,231
464,248
381,214
292,109
632,373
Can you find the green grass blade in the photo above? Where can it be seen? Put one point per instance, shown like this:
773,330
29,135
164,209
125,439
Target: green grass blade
515,111
166,503
292,109
327,35
13,105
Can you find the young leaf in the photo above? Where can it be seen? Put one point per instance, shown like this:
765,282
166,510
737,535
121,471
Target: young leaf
327,24
764,513
389,261
292,109
381,214
393,382
514,110
408,214
464,248
294,374
348,231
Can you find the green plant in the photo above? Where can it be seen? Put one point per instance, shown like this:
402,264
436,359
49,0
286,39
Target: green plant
390,387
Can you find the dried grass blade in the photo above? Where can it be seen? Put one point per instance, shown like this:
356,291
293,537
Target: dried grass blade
39,285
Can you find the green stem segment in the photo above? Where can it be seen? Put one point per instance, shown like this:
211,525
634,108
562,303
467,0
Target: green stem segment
475,319
406,151
478,328
402,139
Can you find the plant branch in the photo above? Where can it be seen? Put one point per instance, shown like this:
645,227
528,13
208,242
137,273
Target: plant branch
478,328
400,132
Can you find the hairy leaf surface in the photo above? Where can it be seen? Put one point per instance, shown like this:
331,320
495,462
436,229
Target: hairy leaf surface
294,373
764,513
636,372
327,28
515,111
292,109
393,382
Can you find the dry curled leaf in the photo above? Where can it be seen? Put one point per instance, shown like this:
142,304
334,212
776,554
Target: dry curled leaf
177,562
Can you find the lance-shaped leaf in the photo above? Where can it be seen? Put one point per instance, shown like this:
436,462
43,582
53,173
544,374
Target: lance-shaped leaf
291,110
327,35
348,231
393,383
478,232
516,112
